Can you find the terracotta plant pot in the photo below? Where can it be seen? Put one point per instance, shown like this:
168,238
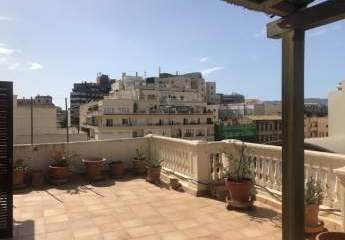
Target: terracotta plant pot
311,215
37,179
58,173
331,236
18,177
139,166
94,168
239,191
117,169
153,174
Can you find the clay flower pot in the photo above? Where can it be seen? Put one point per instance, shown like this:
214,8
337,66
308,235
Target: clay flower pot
153,174
94,168
58,173
117,168
311,215
331,236
239,191
37,179
18,177
139,166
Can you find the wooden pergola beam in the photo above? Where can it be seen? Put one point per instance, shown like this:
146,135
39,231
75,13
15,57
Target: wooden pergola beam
308,18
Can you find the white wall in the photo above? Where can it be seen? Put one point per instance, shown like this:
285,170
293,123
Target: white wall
39,156
336,112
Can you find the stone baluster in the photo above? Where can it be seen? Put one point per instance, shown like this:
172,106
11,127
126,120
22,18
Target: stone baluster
340,173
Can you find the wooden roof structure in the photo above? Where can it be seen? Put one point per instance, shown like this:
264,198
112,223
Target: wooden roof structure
296,18
272,7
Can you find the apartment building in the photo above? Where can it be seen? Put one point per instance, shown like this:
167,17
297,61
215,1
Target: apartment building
169,105
40,117
315,127
211,96
336,111
88,91
268,127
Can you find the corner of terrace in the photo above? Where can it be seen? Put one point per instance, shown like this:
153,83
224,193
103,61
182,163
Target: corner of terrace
132,208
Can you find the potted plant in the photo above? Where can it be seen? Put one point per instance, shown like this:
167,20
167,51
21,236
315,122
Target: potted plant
58,169
238,180
331,236
139,164
314,195
117,168
153,174
37,179
94,167
19,171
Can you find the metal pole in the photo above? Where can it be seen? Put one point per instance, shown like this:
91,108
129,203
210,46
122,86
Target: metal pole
32,120
293,134
66,119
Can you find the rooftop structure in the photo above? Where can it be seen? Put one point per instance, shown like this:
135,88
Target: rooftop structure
88,91
132,208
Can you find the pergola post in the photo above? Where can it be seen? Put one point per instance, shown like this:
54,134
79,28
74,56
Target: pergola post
293,134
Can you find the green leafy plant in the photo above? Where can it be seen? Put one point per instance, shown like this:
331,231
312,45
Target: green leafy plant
154,163
314,192
60,159
238,168
20,165
139,154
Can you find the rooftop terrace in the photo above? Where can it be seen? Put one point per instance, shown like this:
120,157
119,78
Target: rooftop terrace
134,209
131,208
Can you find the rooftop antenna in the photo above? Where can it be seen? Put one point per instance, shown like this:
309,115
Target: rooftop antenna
159,71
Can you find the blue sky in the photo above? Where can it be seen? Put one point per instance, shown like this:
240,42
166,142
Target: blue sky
47,45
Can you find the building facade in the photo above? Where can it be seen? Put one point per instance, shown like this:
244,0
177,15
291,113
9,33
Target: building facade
171,105
315,127
336,111
211,93
268,128
44,124
85,92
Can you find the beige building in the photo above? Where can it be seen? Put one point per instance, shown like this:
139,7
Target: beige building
268,127
44,122
115,118
336,111
315,127
170,106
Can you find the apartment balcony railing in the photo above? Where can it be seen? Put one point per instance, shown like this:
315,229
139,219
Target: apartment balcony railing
199,165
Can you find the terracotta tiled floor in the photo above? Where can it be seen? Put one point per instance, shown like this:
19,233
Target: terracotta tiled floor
134,209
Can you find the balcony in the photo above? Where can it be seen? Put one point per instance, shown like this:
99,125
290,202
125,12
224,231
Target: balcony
131,208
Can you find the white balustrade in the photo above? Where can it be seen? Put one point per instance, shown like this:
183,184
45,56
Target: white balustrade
204,162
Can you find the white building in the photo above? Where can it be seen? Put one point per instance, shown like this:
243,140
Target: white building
336,111
171,105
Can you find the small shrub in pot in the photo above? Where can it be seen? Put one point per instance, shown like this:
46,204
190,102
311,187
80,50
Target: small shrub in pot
238,179
117,168
314,195
94,167
19,171
139,162
59,168
153,174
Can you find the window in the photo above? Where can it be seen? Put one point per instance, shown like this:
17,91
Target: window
109,122
124,121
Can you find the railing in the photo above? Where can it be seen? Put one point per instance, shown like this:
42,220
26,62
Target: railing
266,168
199,164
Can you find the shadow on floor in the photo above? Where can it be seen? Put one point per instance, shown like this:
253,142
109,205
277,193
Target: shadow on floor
263,214
23,229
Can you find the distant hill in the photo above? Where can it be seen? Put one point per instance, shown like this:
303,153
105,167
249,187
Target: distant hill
322,101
